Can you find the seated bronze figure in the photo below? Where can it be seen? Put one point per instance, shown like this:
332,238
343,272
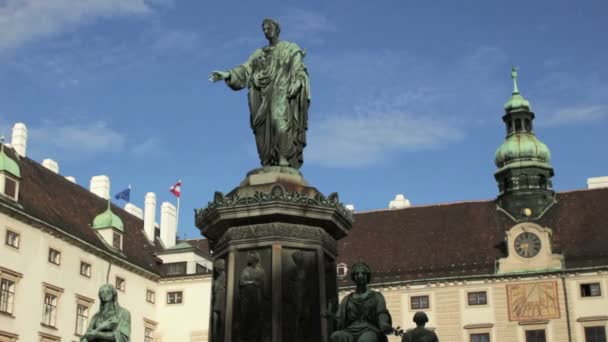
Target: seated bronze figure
362,315
112,322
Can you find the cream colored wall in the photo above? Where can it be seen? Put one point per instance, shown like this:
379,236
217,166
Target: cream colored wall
454,320
190,257
31,260
188,321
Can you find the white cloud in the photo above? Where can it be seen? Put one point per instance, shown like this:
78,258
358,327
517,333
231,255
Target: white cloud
52,139
376,131
23,21
300,24
577,115
146,147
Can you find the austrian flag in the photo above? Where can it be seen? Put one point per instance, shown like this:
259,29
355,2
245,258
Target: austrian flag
176,189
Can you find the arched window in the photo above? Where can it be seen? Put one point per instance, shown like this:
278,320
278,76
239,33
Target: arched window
342,270
528,125
510,127
542,182
518,125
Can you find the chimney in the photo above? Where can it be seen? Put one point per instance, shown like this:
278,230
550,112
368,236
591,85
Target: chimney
350,207
149,215
100,186
168,229
135,211
71,179
399,202
19,138
597,182
51,165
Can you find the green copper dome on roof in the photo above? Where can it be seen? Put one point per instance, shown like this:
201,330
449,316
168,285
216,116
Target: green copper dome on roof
516,101
7,164
523,147
108,219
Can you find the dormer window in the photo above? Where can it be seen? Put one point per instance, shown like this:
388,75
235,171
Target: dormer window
9,175
116,240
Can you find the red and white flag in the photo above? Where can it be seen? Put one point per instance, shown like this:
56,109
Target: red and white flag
176,189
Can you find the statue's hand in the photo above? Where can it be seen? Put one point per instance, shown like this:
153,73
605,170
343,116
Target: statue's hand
218,76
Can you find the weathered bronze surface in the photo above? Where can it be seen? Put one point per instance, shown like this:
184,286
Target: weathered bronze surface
279,97
112,322
362,315
420,333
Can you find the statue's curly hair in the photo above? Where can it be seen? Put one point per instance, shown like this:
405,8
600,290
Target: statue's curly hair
273,22
361,266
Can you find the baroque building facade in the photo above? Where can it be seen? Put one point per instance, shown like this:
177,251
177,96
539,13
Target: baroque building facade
531,265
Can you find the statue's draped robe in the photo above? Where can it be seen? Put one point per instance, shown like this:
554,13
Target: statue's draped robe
420,334
359,316
279,123
120,323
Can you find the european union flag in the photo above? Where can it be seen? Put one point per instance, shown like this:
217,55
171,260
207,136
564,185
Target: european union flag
125,194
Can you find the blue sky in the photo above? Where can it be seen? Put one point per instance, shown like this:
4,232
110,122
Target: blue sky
407,96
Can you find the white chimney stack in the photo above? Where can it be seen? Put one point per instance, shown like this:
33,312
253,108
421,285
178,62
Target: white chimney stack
597,182
51,165
19,138
399,202
149,215
168,229
350,207
134,210
71,179
100,186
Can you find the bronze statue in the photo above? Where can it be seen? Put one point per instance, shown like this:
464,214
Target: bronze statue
362,315
251,296
112,322
420,333
219,300
279,97
296,295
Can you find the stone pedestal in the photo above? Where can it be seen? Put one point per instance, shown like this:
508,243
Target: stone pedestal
277,237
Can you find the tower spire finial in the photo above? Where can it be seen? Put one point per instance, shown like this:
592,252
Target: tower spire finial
514,77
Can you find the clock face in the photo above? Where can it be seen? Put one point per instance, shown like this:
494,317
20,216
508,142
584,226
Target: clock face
527,244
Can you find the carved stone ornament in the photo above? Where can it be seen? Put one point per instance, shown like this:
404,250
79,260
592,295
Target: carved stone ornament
278,231
277,194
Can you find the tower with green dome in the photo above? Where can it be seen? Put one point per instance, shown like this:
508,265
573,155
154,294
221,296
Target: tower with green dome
524,170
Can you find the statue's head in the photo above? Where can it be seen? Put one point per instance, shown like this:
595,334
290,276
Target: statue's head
360,273
253,258
420,318
271,28
219,265
107,293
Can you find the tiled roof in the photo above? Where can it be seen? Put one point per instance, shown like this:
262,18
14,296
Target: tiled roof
53,199
466,239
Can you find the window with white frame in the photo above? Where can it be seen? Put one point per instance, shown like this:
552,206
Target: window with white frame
82,318
342,270
591,290
477,298
120,284
484,337
49,310
12,239
175,297
148,334
419,302
595,334
85,269
150,296
116,240
54,256
536,336
7,295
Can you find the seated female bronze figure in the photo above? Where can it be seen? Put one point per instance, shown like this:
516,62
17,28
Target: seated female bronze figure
362,315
